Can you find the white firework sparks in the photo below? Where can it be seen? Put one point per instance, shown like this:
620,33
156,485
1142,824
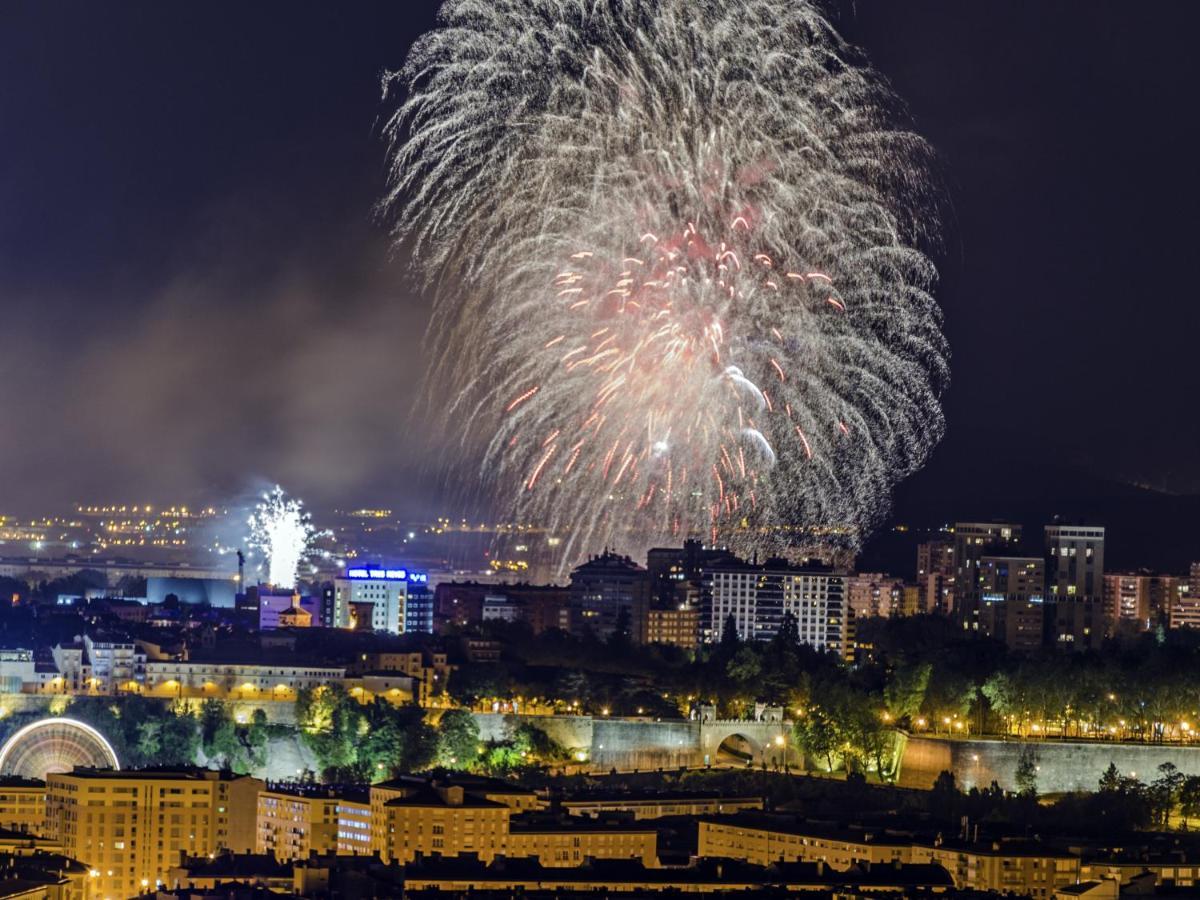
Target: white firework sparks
282,533
673,249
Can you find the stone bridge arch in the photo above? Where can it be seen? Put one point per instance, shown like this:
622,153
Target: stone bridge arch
765,738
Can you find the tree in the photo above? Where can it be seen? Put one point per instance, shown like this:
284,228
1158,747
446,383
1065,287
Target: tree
1027,771
458,739
945,797
474,681
171,739
945,783
380,753
1110,781
729,643
331,724
1189,798
745,667
787,638
905,691
620,638
212,717
817,734
873,740
1165,791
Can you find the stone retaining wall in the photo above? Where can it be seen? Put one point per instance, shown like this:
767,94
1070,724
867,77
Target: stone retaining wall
1062,765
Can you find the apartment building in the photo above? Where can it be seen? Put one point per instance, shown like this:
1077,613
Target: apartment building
22,804
555,844
1025,868
297,820
131,827
756,599
407,819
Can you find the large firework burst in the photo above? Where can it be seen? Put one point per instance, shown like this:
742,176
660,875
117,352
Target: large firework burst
673,247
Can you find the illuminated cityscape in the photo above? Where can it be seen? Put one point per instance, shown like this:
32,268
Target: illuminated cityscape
551,450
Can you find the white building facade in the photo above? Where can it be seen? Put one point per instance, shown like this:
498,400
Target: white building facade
756,600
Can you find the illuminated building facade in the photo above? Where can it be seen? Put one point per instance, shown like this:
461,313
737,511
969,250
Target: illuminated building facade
1010,867
1127,600
1074,562
131,827
296,820
675,627
1185,610
874,594
558,845
608,592
235,681
22,804
973,541
387,590
407,819
755,599
1012,607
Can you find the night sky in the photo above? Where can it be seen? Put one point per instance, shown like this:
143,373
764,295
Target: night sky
196,294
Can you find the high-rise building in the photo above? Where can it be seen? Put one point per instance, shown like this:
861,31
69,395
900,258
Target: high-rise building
972,541
1140,601
1011,600
1166,593
1075,562
131,827
756,598
1075,624
1127,601
418,609
1185,613
913,600
671,569
935,557
608,592
675,585
1075,586
935,576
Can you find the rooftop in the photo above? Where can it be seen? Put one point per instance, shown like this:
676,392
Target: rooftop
655,797
431,797
549,824
193,773
706,873
237,865
351,793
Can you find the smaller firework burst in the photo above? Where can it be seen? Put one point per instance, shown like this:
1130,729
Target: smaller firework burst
282,533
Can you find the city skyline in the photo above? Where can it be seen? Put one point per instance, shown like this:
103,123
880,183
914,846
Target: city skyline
564,447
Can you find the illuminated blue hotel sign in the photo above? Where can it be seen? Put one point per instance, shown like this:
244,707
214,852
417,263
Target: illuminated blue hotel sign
372,574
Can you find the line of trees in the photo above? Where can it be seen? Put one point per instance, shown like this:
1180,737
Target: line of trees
148,732
370,742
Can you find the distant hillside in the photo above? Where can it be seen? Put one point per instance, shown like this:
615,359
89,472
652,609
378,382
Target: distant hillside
1145,528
